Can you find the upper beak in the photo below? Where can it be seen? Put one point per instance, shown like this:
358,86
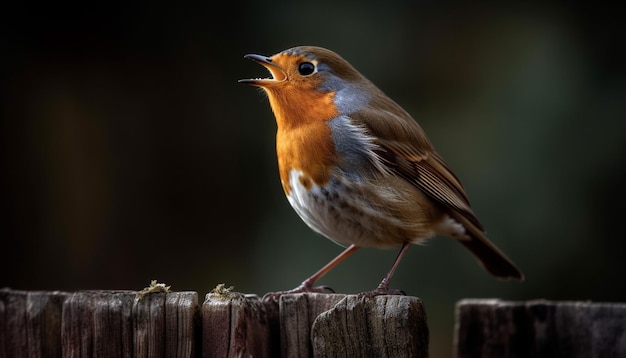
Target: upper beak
278,74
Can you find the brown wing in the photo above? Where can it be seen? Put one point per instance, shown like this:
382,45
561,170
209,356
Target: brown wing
428,172
406,151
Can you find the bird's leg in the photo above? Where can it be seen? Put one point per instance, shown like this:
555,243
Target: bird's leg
383,287
307,285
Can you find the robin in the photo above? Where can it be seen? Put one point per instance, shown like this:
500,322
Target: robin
358,169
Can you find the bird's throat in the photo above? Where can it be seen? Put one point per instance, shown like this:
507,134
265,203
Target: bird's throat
294,108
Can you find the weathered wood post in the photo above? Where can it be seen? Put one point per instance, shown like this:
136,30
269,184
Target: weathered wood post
383,326
314,325
236,325
159,323
119,324
30,323
539,328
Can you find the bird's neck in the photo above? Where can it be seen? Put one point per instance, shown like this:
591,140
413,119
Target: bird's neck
303,140
300,108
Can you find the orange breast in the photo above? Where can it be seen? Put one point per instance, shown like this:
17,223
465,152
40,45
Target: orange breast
303,140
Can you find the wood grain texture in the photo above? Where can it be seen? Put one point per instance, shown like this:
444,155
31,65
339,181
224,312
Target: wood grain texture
154,323
297,314
383,326
149,326
539,328
30,323
235,326
182,322
117,324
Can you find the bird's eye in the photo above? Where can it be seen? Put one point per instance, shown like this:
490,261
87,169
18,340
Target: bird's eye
306,68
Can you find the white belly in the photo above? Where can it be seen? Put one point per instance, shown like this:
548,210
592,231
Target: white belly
362,213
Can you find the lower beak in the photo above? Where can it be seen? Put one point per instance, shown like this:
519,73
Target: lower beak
278,74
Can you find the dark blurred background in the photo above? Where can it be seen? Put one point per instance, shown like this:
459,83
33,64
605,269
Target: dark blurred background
129,152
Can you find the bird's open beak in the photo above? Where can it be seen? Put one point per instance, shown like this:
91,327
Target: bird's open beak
278,74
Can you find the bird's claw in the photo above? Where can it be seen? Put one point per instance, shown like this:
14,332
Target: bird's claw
382,291
303,288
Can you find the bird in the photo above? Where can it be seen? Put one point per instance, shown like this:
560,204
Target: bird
359,170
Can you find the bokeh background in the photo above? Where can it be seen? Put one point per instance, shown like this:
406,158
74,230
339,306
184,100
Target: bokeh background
129,152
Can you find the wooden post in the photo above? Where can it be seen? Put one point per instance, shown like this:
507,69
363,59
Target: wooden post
383,326
235,325
119,324
30,323
494,328
297,313
314,325
158,323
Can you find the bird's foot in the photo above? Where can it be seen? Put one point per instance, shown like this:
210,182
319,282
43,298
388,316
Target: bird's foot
382,290
304,287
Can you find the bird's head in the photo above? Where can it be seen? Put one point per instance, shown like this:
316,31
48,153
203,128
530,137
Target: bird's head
304,67
311,78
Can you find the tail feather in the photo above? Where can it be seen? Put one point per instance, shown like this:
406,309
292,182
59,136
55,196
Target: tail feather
492,259
489,256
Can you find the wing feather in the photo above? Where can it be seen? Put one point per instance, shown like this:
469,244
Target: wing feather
406,150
